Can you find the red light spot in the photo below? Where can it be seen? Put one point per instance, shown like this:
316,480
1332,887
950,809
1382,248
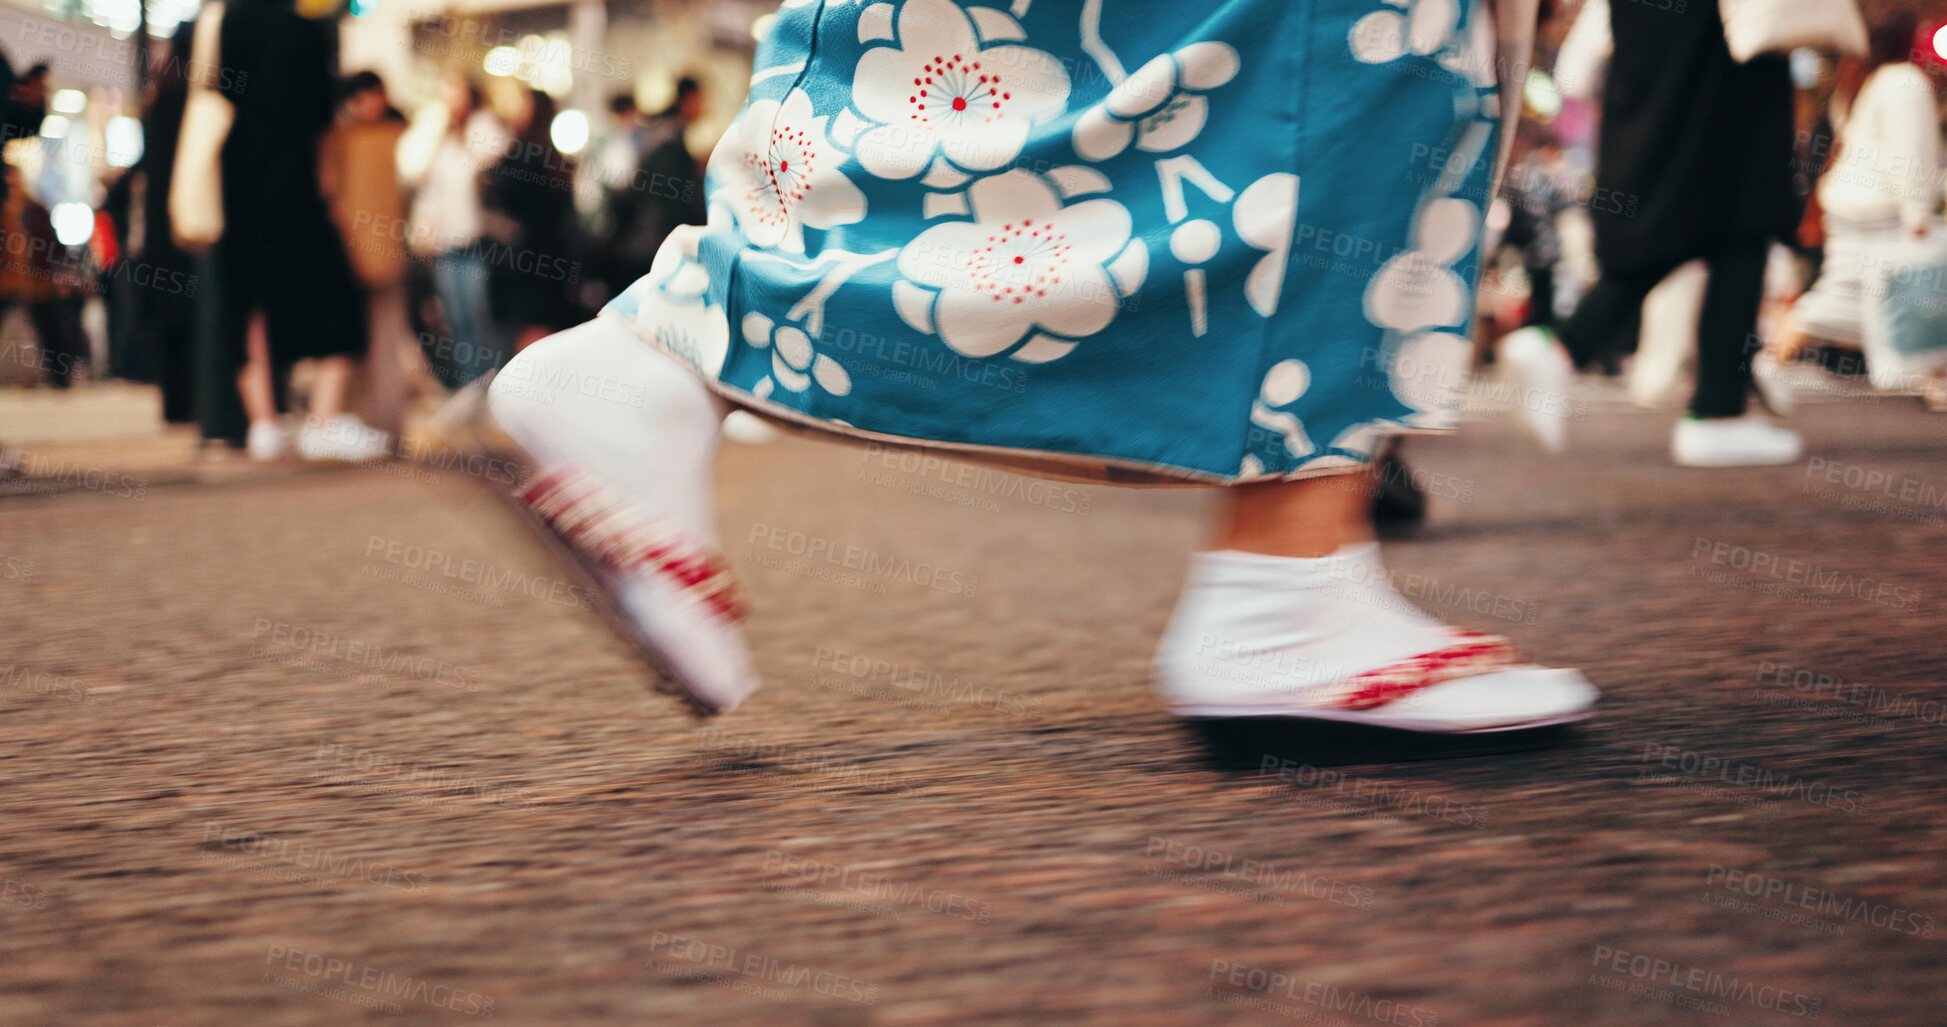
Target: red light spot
959,103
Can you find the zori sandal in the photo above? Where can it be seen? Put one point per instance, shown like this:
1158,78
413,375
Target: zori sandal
1473,685
672,596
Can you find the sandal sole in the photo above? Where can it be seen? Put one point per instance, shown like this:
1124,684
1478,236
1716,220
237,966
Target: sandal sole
1256,744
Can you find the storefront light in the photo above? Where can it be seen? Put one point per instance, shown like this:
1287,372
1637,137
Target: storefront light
68,101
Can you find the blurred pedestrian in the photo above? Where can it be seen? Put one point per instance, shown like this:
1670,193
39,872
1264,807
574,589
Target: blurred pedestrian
529,203
360,176
1539,188
875,216
1878,188
163,314
287,281
26,103
363,100
23,103
8,128
614,154
44,276
663,191
1693,162
448,225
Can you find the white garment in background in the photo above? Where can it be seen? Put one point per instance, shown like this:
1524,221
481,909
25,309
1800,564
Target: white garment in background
1889,151
446,212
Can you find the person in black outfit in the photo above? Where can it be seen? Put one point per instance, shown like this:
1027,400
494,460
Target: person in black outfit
1694,162
530,206
665,193
162,315
8,128
286,276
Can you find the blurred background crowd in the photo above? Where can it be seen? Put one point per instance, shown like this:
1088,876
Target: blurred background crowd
404,197
410,195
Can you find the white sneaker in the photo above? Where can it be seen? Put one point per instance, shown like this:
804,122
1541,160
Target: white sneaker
266,441
1544,373
1748,441
342,438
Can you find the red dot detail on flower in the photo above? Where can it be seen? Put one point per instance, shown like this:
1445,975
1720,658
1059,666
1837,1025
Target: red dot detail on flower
959,103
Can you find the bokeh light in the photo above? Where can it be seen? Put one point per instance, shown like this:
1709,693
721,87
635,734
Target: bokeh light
569,131
73,223
122,137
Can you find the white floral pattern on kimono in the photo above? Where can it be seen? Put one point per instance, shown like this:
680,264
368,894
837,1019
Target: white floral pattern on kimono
781,174
940,90
1024,263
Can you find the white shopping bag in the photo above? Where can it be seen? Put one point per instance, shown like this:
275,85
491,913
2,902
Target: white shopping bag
1905,293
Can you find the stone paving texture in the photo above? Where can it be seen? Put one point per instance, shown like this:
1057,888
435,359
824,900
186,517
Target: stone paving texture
268,762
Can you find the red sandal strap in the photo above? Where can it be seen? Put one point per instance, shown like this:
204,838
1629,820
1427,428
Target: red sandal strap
1473,653
621,537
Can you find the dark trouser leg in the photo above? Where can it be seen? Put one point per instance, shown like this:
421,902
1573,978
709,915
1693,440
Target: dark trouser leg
175,329
1541,296
1727,331
1593,332
64,345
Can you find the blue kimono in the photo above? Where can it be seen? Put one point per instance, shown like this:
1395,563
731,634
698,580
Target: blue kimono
1215,242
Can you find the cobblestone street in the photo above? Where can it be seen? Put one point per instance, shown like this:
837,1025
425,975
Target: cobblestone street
346,747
